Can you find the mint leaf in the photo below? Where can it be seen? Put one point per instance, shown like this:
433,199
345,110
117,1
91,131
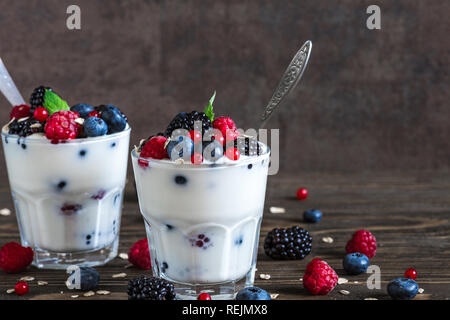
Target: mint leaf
209,108
53,103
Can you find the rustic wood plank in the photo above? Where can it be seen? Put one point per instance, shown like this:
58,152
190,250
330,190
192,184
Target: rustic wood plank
409,215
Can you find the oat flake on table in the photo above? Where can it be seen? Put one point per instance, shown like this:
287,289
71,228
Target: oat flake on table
277,210
274,295
74,296
328,239
264,276
119,275
27,278
370,299
342,280
344,292
42,283
10,291
421,290
89,294
103,292
123,256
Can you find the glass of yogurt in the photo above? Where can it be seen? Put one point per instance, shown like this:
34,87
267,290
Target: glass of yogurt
67,193
202,219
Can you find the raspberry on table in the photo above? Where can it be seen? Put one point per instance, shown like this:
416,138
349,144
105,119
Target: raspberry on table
139,255
61,125
319,278
363,242
14,257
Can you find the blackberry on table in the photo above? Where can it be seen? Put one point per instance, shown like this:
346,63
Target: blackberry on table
288,243
37,97
24,128
150,288
248,146
186,120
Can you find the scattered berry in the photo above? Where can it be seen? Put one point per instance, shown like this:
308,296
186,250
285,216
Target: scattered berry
288,244
364,242
150,288
253,293
89,278
37,97
181,147
139,255
302,194
233,154
227,128
312,215
82,109
20,111
402,289
21,288
186,120
197,158
61,125
40,114
15,258
204,296
319,277
115,119
411,273
154,148
94,127
356,263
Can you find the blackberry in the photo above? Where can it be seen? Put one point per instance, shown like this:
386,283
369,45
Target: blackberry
288,243
150,288
248,146
37,97
185,120
24,128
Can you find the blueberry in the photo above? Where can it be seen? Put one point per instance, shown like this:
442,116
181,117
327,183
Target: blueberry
89,278
402,289
114,118
180,179
253,293
83,109
181,147
212,151
94,127
356,263
312,215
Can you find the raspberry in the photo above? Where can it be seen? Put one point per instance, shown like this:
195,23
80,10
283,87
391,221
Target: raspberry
363,242
21,288
61,125
15,258
227,127
319,277
20,111
139,255
154,148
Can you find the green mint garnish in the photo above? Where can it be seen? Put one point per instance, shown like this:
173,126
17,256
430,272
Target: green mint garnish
53,103
209,108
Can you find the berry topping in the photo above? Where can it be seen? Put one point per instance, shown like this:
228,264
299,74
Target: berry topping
186,120
364,242
204,296
26,127
233,154
411,273
15,258
139,255
212,151
302,194
247,146
356,263
319,277
115,119
37,97
61,125
181,147
21,288
227,128
40,114
288,243
312,215
197,158
89,278
253,293
150,288
82,109
154,148
94,113
195,136
94,127
402,289
20,111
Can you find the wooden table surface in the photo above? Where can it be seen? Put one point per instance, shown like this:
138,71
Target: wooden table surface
408,214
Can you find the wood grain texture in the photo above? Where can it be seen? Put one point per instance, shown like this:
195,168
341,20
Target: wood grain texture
408,214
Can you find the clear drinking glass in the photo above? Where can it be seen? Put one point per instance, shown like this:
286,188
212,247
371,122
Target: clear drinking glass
203,222
68,196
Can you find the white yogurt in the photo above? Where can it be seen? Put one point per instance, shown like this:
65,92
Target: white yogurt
202,221
68,196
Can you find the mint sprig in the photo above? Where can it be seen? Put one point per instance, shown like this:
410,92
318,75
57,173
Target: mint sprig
53,103
209,111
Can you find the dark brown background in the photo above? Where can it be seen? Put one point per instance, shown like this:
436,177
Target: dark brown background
370,100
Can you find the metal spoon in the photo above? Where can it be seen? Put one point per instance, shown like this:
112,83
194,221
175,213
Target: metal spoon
290,79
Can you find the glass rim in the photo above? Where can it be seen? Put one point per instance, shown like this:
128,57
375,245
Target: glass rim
203,166
46,141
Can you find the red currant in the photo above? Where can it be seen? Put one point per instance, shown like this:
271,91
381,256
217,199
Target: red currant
204,296
195,135
94,113
40,114
302,194
197,158
21,288
411,273
233,154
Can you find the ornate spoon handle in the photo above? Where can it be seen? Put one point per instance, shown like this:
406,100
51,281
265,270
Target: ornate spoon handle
290,79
